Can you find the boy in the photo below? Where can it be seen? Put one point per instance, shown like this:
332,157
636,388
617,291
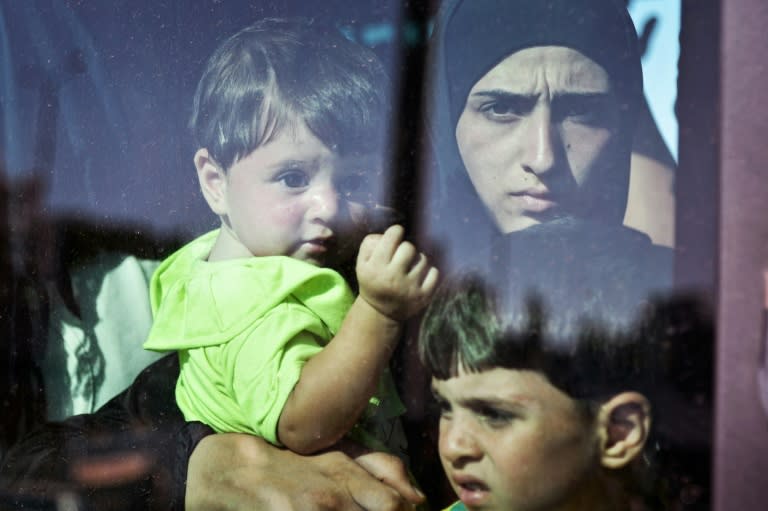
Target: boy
288,118
528,423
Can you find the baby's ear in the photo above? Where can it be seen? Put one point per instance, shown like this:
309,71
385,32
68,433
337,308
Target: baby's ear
624,423
213,181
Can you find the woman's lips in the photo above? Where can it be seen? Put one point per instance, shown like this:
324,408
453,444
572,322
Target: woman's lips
534,202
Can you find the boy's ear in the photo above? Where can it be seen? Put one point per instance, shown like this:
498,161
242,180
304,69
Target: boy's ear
213,181
624,422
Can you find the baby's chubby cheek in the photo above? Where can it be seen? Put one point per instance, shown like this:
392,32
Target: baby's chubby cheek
286,215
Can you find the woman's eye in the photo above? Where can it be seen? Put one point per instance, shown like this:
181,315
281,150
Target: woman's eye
582,115
499,110
294,179
592,111
507,109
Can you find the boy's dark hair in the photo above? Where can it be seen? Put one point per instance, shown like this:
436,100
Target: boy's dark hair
468,326
278,71
586,304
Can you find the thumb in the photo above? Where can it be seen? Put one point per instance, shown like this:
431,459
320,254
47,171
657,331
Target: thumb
391,471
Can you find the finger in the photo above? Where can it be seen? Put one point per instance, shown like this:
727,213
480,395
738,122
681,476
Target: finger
389,243
431,280
405,256
420,268
391,470
367,246
382,498
358,487
373,495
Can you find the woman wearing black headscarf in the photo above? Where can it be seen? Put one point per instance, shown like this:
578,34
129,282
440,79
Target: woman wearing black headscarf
532,108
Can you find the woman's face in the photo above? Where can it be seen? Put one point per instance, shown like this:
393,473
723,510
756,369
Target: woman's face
538,137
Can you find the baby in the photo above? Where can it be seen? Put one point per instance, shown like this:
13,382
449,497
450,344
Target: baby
288,119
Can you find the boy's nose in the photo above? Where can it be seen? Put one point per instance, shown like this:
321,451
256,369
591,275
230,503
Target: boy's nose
458,442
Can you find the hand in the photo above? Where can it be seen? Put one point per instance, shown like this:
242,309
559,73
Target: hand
233,471
389,469
395,278
385,467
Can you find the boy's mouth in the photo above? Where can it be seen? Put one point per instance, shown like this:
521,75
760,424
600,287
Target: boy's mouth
471,491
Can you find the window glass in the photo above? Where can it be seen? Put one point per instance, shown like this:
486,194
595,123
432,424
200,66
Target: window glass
99,185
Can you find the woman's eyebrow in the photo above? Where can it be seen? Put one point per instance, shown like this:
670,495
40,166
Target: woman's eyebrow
590,98
518,97
507,96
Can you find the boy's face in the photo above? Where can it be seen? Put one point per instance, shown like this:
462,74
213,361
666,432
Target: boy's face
510,440
288,197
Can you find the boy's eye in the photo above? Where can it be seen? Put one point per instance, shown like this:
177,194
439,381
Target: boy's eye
294,178
495,417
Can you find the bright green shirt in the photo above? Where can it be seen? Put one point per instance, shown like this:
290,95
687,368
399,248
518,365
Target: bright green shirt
244,329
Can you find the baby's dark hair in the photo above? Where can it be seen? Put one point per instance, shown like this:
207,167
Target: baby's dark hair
278,71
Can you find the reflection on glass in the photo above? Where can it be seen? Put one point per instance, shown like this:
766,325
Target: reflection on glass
550,171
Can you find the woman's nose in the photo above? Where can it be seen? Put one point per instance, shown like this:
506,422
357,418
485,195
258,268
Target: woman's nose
541,140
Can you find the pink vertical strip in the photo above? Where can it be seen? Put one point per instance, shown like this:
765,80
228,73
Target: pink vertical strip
762,375
741,437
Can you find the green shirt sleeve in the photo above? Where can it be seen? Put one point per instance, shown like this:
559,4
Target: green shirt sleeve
268,364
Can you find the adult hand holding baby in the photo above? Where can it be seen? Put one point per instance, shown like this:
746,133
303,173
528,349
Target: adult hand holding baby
235,465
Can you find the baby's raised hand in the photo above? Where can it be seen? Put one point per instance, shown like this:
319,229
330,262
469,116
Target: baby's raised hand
394,277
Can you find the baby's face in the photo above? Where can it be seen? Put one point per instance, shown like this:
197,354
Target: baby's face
293,196
511,440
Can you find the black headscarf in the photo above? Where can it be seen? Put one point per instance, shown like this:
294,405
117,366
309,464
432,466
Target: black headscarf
472,36
478,34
